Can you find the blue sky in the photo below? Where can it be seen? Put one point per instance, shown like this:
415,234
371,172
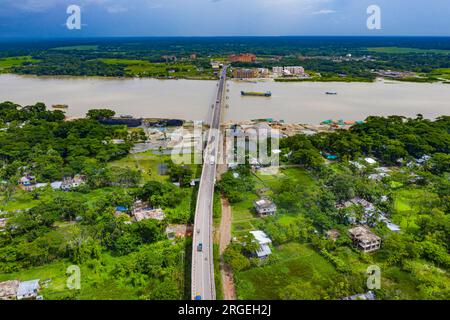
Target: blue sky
46,18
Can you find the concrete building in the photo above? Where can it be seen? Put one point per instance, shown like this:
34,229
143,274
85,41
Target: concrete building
264,241
178,231
265,207
245,73
365,239
244,57
278,71
295,70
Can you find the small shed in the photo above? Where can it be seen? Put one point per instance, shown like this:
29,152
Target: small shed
28,290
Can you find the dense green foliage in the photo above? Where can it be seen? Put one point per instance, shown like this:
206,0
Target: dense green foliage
414,195
47,228
149,57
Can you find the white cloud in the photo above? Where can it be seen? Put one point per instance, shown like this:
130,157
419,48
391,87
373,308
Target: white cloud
116,8
324,11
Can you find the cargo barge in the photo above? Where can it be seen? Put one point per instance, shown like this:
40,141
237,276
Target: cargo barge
256,94
60,106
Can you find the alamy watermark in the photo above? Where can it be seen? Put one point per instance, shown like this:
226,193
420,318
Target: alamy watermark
74,278
374,20
374,277
256,146
74,20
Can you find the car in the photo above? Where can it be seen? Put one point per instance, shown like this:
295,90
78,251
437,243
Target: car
198,297
200,247
212,160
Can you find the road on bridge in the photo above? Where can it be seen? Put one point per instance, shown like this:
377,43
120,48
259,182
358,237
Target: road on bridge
202,278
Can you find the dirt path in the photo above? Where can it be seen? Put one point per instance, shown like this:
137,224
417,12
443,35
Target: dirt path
229,292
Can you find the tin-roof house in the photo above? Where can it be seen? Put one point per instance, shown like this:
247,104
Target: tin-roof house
265,207
263,240
28,290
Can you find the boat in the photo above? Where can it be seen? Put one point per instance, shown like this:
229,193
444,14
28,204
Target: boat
331,93
60,106
256,94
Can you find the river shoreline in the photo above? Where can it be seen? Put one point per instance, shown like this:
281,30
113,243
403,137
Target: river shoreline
293,102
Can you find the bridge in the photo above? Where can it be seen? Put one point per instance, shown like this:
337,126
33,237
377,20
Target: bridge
202,279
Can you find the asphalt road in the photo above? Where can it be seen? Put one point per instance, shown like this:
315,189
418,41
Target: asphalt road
202,279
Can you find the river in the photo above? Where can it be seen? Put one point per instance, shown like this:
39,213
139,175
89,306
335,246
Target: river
191,100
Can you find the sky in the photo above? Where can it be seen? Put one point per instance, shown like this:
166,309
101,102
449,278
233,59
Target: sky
47,18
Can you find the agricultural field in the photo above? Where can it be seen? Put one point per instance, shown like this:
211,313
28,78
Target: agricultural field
294,263
7,63
144,68
401,50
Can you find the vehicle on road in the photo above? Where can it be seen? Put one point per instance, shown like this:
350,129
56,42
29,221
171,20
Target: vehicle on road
212,160
199,297
200,247
198,231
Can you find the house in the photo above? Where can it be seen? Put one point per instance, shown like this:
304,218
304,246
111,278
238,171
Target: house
265,207
27,182
423,159
178,231
357,165
120,210
370,161
378,176
56,185
8,290
28,290
361,296
333,234
71,183
264,241
147,213
3,222
365,239
392,226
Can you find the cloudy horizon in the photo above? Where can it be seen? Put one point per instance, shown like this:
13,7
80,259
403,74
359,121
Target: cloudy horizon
47,18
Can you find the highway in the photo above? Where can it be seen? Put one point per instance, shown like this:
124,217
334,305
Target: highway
202,278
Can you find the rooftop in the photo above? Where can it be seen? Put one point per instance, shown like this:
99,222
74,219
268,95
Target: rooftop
261,237
362,233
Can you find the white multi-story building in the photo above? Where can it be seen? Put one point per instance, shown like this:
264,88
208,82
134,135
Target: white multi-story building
278,71
296,71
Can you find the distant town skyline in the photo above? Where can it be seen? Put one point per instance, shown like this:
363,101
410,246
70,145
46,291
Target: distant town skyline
47,18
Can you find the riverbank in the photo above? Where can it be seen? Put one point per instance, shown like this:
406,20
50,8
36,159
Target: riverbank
299,102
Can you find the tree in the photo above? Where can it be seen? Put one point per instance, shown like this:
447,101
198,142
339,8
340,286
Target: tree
98,114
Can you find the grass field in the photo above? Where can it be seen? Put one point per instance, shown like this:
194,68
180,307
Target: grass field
297,262
96,281
148,162
7,63
407,204
146,68
398,50
441,73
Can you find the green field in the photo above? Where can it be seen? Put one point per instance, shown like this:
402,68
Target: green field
149,69
398,50
77,48
148,162
407,205
443,73
297,263
7,63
